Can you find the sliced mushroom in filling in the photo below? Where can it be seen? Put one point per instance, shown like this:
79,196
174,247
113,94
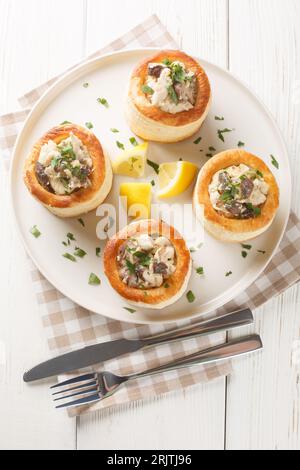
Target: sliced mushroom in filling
146,261
65,167
238,192
170,86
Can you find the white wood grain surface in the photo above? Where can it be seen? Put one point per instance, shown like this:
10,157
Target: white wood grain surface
259,406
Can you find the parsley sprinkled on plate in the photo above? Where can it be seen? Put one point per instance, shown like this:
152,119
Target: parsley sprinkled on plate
274,162
114,130
153,165
69,257
94,280
103,101
81,221
130,310
218,118
200,270
79,252
241,144
89,125
212,149
244,254
197,141
70,236
221,133
65,122
86,85
262,252
229,273
153,183
35,231
247,247
98,251
120,145
209,155
133,141
191,297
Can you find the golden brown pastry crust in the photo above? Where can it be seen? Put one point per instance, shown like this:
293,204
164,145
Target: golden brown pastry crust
148,296
97,177
156,114
236,226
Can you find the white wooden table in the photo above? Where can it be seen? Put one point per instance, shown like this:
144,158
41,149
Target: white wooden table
258,407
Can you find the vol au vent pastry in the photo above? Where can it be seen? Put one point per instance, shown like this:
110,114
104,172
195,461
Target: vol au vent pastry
169,97
236,196
148,264
67,171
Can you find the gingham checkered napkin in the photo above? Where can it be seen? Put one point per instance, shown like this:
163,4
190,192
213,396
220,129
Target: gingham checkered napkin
69,327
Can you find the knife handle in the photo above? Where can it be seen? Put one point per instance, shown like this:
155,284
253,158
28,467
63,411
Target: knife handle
225,322
221,352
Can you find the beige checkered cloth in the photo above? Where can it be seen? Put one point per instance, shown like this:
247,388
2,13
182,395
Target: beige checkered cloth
69,327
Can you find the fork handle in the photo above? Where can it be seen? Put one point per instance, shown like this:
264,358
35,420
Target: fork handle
217,353
224,322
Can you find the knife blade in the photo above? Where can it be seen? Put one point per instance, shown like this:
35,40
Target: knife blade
82,358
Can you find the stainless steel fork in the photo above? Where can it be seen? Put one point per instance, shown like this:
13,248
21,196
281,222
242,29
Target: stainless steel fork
97,386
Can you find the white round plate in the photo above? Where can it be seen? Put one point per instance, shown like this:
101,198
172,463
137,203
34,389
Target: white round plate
68,100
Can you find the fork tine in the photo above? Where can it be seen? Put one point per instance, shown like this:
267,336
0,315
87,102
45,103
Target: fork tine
82,392
89,384
81,401
81,378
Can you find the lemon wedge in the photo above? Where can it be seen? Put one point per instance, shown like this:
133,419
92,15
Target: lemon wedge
175,177
138,199
131,162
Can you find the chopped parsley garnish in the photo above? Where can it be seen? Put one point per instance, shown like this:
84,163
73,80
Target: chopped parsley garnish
81,221
144,259
172,94
228,274
114,130
65,243
200,270
274,162
147,90
98,251
89,125
212,149
35,231
241,144
221,133
153,183
94,280
256,210
167,62
153,165
70,236
103,101
133,141
79,252
244,254
166,285
259,173
193,250
120,145
65,122
191,297
69,257
218,118
209,155
85,85
229,194
247,247
197,141
262,252
130,310
130,266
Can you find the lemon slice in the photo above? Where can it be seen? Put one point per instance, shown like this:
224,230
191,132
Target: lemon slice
175,177
131,162
138,199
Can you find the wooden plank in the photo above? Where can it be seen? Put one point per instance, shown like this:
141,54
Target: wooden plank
263,395
193,418
35,44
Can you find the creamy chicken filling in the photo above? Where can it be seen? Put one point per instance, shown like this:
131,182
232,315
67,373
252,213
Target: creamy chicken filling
146,261
238,192
170,86
65,167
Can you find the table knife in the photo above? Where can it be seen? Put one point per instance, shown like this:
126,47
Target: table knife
101,352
